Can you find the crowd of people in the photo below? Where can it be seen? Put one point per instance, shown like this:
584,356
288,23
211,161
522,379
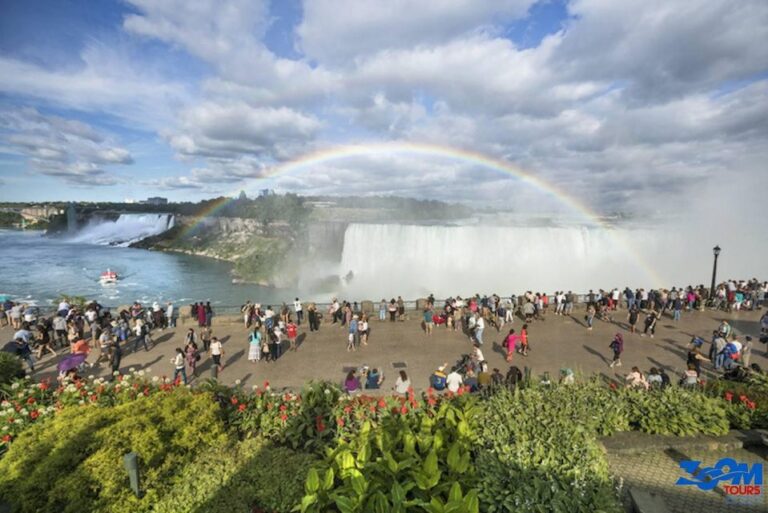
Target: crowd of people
95,335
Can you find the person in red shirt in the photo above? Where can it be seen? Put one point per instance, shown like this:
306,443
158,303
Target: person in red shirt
291,330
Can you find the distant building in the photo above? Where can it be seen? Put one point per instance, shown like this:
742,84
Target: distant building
266,192
155,201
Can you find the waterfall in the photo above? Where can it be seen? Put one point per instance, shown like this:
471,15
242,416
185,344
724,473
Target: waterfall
409,260
126,229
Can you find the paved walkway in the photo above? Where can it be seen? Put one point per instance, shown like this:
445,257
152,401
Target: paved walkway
556,342
657,471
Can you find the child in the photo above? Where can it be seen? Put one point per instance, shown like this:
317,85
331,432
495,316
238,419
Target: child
524,340
292,331
617,346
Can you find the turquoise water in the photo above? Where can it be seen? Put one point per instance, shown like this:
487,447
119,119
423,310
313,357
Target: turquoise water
36,268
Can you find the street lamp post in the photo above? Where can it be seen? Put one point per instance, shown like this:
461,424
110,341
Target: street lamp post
716,252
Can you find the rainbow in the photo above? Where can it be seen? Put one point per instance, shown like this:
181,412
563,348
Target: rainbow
373,149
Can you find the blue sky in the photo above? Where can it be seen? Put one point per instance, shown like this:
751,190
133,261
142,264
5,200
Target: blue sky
621,102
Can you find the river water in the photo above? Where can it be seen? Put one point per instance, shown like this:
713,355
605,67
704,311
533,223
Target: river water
36,268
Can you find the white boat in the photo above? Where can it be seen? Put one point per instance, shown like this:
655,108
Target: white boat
108,277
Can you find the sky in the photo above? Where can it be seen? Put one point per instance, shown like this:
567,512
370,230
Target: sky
626,105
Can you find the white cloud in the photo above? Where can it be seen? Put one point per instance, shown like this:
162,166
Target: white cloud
229,131
338,31
62,148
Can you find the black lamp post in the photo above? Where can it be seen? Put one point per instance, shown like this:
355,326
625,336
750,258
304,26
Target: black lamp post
716,251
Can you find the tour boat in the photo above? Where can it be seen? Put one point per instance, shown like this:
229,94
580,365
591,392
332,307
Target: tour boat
108,277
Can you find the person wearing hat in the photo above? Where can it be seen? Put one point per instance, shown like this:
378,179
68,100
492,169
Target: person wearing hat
438,380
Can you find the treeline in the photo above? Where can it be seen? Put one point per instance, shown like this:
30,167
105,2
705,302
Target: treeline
411,208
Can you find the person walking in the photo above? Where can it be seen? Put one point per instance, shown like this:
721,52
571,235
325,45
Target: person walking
254,346
115,355
192,356
524,340
179,366
590,317
170,314
617,346
206,335
510,343
140,330
216,351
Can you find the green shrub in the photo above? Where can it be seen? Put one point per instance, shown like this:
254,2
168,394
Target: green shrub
10,368
405,463
238,477
539,447
676,411
73,461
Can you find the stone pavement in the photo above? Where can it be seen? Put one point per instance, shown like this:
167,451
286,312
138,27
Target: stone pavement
657,471
555,342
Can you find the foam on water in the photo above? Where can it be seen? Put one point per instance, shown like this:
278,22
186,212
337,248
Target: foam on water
128,228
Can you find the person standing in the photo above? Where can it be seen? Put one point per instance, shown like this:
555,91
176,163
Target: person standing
208,314
746,351
291,331
254,346
632,317
479,328
217,351
383,310
352,339
617,346
400,308
363,328
299,311
677,308
170,314
314,321
179,366
429,323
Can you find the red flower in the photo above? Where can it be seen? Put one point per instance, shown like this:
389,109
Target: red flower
612,386
347,409
283,417
404,410
431,401
34,414
372,408
743,398
31,400
283,407
266,384
430,391
728,396
94,398
7,438
340,422
382,403
751,405
241,408
233,400
44,386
